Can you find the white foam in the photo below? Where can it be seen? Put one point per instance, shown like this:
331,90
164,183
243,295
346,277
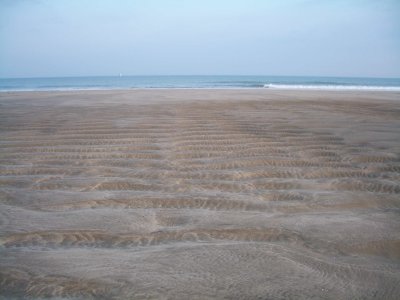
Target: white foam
331,87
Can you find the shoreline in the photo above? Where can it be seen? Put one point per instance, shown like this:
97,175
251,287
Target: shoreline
260,90
333,89
152,96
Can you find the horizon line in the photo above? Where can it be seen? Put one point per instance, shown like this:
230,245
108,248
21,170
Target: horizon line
198,75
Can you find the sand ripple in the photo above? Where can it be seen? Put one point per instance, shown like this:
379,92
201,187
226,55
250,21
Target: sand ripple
153,195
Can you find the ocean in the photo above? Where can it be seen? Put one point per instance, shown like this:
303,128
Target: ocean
136,82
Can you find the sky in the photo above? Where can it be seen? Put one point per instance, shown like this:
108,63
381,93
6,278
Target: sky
53,38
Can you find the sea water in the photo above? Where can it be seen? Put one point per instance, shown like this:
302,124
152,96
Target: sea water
135,82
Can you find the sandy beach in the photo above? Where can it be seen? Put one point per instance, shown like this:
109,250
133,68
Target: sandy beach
200,194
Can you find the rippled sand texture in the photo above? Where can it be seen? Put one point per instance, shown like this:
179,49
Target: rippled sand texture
200,194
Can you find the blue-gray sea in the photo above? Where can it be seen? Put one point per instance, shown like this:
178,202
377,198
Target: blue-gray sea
134,82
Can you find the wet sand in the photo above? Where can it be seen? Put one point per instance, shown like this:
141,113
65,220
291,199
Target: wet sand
200,194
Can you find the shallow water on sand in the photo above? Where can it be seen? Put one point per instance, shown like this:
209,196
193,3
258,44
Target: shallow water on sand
201,194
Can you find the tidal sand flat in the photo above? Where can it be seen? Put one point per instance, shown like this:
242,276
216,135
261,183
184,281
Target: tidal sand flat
200,194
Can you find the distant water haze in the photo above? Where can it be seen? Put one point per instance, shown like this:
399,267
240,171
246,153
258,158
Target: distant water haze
46,38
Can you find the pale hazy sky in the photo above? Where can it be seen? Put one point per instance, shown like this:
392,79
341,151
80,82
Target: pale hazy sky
40,38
